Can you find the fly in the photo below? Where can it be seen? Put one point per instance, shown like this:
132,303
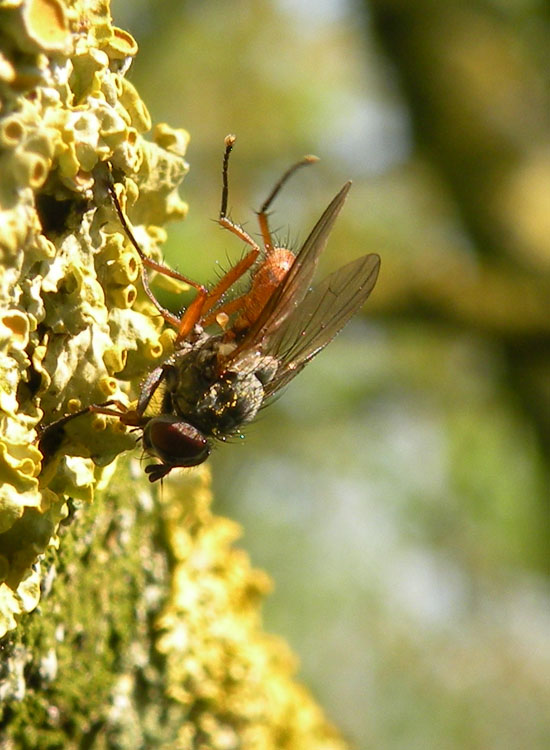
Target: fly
215,383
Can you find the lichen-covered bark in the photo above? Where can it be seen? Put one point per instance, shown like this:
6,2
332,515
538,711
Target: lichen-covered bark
149,635
129,621
75,327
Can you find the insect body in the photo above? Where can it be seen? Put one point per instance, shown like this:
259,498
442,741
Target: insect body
215,383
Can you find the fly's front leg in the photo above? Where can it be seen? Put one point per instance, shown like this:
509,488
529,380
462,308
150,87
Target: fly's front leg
51,436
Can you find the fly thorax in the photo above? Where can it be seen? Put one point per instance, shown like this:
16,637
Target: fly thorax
229,403
188,376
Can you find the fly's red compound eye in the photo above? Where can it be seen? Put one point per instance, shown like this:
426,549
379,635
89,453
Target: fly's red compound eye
176,443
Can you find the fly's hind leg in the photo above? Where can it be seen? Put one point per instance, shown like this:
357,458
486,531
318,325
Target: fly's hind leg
192,314
262,213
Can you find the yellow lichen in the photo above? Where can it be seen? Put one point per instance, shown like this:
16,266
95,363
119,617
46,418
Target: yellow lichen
7,71
37,26
120,45
12,132
71,329
16,326
234,682
45,23
172,140
31,170
77,328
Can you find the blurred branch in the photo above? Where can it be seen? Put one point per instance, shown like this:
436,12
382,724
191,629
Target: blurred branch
493,298
476,89
481,110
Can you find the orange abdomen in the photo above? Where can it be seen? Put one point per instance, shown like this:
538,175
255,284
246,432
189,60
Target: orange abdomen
264,282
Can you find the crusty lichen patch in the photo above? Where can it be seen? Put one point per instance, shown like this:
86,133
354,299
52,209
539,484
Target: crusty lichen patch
149,631
150,635
234,681
75,325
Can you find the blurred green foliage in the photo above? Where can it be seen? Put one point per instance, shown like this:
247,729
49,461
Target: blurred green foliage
398,491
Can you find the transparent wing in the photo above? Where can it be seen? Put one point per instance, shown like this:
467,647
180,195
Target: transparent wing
294,288
322,314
